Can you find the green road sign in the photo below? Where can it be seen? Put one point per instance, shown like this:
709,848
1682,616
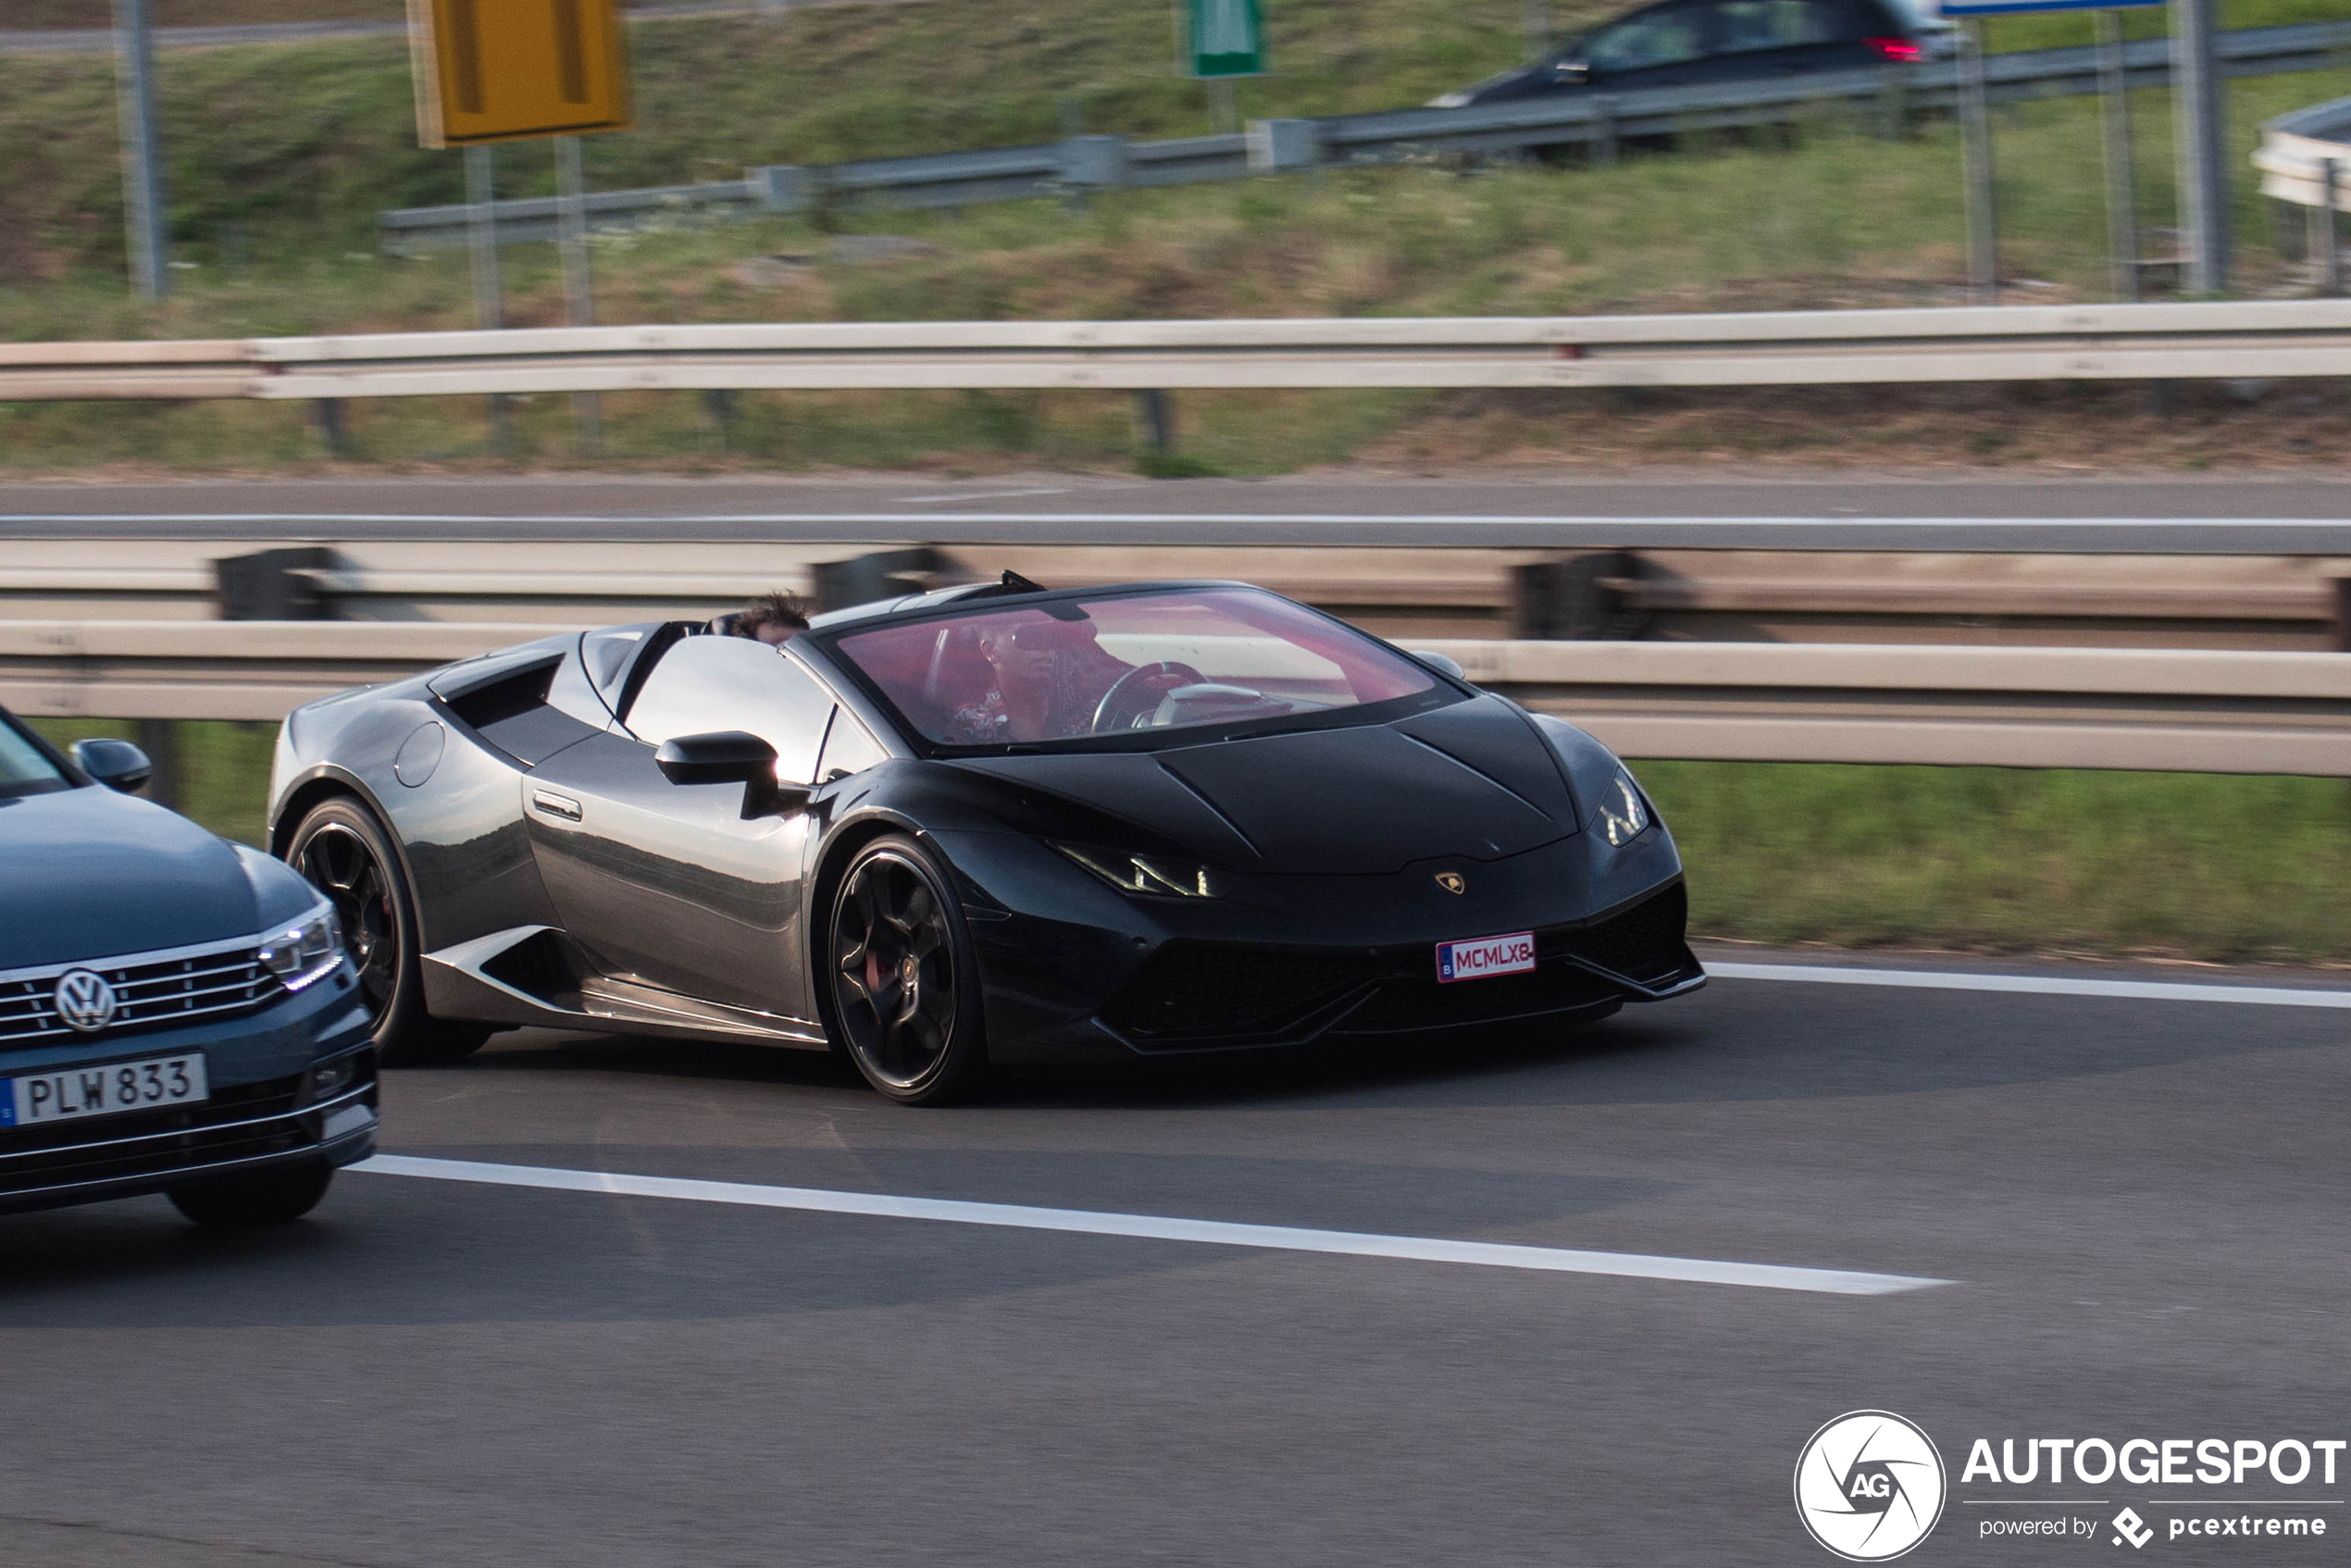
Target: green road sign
1227,38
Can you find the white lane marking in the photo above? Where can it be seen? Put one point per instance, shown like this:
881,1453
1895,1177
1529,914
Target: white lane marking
1218,1233
2038,985
981,495
1613,520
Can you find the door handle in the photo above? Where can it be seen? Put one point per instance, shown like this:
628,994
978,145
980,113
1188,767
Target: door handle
555,805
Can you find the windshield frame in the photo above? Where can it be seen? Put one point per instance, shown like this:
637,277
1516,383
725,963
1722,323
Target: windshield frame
69,776
1443,691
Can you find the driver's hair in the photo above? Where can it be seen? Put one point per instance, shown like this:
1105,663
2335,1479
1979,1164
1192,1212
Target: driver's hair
779,607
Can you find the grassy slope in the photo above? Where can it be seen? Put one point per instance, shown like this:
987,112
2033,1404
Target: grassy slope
302,144
282,156
1978,858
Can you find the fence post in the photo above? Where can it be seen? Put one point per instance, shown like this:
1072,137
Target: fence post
580,286
2122,181
142,157
481,233
1983,220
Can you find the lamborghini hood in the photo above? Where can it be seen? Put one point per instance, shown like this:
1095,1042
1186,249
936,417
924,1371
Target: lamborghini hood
1472,781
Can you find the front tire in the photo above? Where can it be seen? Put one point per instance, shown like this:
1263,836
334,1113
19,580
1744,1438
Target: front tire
900,977
255,1198
347,855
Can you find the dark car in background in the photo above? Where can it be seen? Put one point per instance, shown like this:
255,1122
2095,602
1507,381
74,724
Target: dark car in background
176,1014
1679,43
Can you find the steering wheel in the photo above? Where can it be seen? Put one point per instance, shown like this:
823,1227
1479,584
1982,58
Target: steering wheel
1111,712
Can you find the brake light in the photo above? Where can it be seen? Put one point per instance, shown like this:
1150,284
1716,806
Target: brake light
1894,48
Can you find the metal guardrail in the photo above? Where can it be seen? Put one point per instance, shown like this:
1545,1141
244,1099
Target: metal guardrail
2076,708
2266,338
2296,147
1595,119
2278,602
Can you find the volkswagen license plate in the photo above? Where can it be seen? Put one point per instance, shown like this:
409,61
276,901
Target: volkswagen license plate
1513,955
109,1089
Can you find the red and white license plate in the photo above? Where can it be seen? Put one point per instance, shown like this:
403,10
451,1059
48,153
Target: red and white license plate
1513,955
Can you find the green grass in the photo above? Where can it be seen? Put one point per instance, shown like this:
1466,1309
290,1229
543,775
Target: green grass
282,156
2220,869
224,768
2200,865
296,146
1850,220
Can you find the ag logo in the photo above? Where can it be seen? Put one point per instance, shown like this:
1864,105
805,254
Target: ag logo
1869,1486
84,1000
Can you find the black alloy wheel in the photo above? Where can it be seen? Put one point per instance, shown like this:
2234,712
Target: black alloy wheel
342,851
904,985
339,863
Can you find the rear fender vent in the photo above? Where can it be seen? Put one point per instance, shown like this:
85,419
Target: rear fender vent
509,696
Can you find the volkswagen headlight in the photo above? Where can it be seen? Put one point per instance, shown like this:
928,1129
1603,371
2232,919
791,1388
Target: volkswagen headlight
1152,876
1623,815
305,951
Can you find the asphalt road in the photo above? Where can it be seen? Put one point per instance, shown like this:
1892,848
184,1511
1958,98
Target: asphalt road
2137,1204
2234,514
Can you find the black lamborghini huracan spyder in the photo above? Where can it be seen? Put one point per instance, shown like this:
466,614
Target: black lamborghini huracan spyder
991,824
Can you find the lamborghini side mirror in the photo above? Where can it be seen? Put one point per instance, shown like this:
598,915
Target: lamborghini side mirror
729,756
117,764
1443,663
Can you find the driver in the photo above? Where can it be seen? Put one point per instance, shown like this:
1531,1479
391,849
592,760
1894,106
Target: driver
1046,677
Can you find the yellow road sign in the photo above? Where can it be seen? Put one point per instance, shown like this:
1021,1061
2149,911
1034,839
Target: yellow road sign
495,70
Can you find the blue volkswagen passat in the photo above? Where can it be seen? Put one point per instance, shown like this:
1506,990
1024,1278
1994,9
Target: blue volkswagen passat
177,1014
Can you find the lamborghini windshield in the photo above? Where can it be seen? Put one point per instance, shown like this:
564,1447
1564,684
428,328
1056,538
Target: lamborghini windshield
1130,664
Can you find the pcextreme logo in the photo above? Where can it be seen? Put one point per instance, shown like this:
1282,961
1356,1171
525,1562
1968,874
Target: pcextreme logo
1870,1485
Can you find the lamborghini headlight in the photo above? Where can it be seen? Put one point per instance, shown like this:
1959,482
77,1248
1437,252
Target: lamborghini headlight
305,951
1623,815
1154,876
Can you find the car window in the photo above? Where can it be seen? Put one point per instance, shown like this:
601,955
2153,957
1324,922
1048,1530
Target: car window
1744,26
1079,671
24,768
1654,38
714,683
849,749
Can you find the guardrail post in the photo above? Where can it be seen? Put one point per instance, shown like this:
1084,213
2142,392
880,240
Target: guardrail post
2343,613
1090,162
159,738
779,187
326,414
719,404
1155,411
1604,131
2326,241
272,585
1572,597
1278,147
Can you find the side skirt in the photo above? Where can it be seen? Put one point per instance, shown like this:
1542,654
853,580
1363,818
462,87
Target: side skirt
533,976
